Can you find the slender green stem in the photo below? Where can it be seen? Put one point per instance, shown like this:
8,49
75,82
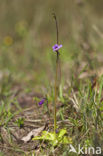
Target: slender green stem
56,77
57,33
56,91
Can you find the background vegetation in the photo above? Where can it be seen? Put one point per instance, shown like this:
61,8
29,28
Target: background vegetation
27,63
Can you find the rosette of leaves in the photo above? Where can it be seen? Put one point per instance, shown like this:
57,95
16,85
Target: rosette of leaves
53,138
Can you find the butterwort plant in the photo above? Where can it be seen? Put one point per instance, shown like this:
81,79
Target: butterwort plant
56,137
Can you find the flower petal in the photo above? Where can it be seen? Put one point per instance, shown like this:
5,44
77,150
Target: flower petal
56,47
41,102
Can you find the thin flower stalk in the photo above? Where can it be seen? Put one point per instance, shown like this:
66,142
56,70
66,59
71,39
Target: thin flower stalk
56,92
56,48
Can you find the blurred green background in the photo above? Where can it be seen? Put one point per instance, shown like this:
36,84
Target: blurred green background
27,34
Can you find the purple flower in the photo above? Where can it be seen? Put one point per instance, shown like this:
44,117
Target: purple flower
56,47
57,131
41,102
